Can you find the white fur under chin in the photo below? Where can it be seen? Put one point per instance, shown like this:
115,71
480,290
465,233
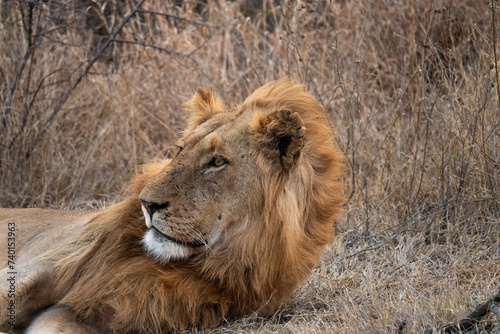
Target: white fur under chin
164,251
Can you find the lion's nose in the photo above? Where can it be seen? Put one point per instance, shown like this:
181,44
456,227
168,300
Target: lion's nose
152,207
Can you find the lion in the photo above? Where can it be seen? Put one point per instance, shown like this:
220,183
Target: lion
230,226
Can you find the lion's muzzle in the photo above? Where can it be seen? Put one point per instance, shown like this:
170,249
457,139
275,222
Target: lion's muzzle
149,208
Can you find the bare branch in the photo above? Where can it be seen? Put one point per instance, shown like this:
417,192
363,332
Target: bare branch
175,17
27,24
152,46
472,320
495,49
90,64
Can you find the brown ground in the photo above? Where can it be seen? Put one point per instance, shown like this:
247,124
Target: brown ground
411,90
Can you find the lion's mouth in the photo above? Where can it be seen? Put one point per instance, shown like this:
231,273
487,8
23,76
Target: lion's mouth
191,244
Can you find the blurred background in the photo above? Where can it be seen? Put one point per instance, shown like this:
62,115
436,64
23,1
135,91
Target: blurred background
90,90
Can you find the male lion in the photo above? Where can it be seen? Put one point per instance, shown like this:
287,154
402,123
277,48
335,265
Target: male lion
231,225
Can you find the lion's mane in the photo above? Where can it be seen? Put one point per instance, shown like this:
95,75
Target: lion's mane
105,276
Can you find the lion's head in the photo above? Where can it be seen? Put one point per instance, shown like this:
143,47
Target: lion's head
255,181
218,181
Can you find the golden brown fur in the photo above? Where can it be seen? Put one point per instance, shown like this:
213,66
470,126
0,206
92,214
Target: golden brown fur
257,256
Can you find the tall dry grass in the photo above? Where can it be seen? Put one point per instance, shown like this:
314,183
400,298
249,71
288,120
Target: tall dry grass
410,87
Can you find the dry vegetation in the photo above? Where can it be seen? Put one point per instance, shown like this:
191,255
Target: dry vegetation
410,87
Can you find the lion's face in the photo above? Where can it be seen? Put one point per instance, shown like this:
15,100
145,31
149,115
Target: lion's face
201,194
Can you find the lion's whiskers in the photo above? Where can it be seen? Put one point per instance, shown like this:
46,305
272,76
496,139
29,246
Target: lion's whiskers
194,232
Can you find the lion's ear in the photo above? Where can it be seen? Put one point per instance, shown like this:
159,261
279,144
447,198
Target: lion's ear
281,136
202,106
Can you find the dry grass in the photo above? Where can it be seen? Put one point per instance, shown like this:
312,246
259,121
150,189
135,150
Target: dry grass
411,90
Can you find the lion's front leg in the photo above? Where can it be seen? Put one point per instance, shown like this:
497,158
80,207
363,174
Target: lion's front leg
22,298
59,319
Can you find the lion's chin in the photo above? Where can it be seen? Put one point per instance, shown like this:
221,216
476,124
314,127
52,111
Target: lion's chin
162,249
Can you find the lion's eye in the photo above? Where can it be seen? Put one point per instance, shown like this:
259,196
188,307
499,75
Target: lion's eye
217,162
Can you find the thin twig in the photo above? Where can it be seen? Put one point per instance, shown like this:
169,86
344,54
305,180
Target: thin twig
175,17
5,77
465,163
16,81
27,25
35,93
424,151
495,49
307,70
152,46
91,62
174,53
